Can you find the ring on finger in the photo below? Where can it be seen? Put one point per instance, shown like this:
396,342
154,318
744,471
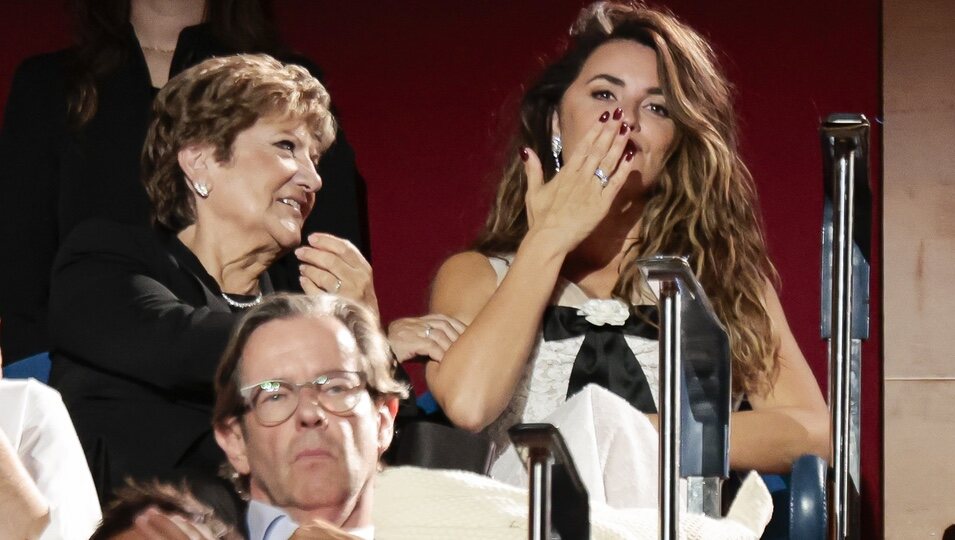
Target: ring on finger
602,176
427,331
338,285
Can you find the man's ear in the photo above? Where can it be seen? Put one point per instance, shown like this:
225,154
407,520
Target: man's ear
232,441
387,410
196,161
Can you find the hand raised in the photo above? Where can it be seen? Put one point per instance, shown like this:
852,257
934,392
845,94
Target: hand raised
334,265
573,202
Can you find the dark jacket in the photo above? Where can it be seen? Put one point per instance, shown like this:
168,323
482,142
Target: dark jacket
138,327
53,178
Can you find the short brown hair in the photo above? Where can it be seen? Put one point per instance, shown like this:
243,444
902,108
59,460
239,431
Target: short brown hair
211,103
135,498
374,353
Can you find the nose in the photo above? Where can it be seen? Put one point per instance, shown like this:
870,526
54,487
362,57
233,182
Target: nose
310,411
308,178
633,119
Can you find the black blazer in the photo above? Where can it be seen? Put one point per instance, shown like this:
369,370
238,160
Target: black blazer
138,327
52,177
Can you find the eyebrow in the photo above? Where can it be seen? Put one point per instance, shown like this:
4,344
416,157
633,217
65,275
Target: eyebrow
609,78
656,90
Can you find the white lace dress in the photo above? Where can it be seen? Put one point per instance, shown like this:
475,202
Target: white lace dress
543,386
613,445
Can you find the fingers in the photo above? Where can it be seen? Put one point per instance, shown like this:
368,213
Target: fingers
322,279
345,250
623,164
456,325
430,335
332,272
616,156
607,148
533,170
574,159
309,286
535,179
319,530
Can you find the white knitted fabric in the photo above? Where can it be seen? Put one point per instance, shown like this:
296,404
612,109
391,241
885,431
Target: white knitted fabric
421,504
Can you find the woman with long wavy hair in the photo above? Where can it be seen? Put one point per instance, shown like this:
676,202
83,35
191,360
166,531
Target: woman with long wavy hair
626,147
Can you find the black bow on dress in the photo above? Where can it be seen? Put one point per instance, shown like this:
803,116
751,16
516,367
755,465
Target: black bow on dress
604,357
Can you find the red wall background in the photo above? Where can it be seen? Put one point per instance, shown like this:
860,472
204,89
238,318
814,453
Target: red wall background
425,89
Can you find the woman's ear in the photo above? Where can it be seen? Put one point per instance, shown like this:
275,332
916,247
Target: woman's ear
196,162
555,124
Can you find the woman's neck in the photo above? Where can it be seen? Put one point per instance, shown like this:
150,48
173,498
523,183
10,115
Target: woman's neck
233,262
594,265
158,22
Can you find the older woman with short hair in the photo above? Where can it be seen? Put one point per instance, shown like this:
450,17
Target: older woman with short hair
140,317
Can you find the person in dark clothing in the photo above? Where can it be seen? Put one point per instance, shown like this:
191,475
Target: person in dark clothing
139,316
74,128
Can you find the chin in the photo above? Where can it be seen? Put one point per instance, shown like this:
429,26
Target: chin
287,235
319,495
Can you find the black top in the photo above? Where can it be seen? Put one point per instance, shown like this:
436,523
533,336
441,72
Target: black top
137,329
52,178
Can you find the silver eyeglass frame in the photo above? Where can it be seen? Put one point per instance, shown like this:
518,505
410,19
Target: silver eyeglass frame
246,393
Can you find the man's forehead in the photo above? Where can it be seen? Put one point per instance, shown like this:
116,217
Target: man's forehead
299,347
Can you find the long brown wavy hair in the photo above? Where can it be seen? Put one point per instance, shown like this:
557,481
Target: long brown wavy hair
704,203
102,36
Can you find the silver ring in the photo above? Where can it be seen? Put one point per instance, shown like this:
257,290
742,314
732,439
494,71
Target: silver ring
427,331
602,176
338,286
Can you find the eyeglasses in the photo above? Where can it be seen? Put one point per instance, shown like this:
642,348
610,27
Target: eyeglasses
274,401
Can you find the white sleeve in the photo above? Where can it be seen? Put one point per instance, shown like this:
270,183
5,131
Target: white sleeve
51,452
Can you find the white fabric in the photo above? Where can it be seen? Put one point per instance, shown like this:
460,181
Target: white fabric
603,433
38,426
420,504
543,386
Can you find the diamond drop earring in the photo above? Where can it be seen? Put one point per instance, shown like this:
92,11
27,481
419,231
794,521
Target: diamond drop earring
201,189
555,147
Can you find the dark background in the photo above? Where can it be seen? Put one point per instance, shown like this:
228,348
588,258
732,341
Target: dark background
426,90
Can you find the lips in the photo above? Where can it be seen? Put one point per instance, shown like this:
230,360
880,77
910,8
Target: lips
314,453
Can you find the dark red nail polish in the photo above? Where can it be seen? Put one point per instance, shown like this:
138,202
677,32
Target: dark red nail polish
618,114
604,116
628,156
624,128
524,155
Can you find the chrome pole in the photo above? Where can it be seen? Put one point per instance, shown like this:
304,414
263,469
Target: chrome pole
538,528
845,279
840,344
670,388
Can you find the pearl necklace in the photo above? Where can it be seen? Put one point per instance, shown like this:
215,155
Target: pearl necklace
157,49
243,305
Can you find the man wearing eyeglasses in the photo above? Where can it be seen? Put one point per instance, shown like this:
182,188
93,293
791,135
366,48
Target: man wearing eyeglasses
305,406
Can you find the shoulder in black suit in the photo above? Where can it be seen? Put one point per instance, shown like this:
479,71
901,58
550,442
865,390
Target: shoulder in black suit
138,329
